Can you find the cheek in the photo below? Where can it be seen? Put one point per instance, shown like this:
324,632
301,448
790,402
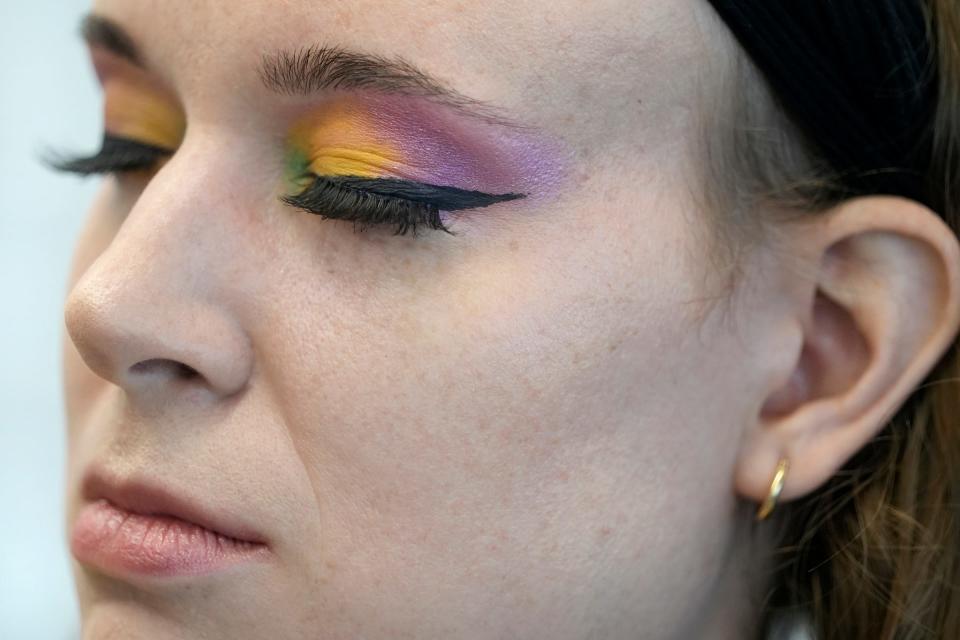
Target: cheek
485,411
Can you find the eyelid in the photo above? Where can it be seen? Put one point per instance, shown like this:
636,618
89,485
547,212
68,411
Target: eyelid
343,161
134,108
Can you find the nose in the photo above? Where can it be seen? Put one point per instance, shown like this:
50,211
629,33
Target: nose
152,313
144,343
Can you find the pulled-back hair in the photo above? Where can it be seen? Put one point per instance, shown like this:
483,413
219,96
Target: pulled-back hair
874,554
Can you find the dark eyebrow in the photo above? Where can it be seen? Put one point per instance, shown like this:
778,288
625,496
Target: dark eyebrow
306,71
102,32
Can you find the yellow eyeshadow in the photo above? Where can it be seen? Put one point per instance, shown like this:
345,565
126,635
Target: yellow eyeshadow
342,140
139,113
333,161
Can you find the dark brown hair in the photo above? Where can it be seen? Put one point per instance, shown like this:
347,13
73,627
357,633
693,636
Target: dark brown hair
874,554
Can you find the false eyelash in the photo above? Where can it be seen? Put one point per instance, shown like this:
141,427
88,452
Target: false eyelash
381,201
116,155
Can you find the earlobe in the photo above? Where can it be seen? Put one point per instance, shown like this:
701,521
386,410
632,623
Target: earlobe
884,307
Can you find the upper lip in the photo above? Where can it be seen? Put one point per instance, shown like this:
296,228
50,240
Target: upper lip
142,497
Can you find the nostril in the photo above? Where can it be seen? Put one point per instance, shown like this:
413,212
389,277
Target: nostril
185,372
170,368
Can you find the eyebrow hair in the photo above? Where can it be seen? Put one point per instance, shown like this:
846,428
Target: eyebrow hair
309,70
98,31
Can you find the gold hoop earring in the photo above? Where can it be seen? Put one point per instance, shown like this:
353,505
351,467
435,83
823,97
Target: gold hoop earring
776,486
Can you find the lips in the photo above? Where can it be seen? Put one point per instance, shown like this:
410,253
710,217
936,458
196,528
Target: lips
134,527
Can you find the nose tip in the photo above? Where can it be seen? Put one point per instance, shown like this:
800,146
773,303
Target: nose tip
147,345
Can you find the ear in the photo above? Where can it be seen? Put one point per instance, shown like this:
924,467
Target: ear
876,318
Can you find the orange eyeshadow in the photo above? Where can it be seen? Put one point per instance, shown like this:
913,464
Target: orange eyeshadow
138,112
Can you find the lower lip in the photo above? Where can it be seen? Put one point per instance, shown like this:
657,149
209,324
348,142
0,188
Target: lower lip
120,542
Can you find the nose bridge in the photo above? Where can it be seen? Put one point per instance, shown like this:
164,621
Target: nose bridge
152,307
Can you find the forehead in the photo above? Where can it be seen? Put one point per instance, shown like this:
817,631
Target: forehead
421,26
550,58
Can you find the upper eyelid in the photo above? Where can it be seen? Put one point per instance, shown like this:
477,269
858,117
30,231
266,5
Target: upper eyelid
112,69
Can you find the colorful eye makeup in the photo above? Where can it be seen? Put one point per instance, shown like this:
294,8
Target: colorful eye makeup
371,159
135,111
376,160
143,124
343,139
380,136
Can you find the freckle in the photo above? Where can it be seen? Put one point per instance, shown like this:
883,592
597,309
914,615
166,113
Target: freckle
533,392
514,246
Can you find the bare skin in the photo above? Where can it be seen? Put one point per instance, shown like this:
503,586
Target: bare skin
537,428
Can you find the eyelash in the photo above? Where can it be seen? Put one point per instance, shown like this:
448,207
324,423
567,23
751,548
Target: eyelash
382,201
116,155
367,202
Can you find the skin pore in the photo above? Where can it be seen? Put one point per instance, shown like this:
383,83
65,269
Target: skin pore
544,426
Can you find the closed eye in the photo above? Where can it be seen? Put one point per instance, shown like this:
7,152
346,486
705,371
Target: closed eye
389,201
116,155
367,202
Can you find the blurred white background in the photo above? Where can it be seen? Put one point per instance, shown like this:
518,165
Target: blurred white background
48,99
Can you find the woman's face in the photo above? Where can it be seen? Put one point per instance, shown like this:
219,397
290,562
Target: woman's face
523,430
